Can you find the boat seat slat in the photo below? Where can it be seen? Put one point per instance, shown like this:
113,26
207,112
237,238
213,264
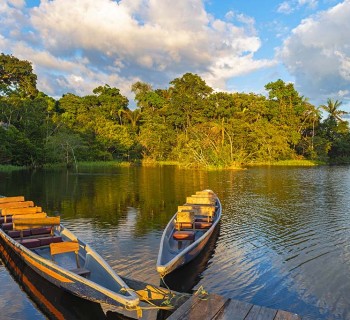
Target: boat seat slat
45,241
183,235
40,231
17,234
12,199
19,204
30,243
202,225
7,226
65,247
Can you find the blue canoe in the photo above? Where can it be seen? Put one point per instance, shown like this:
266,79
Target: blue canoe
188,231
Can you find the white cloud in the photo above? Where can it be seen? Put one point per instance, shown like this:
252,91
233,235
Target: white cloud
285,7
288,7
121,42
317,53
17,3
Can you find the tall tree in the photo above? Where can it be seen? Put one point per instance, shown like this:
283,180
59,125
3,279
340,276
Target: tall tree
189,95
332,108
16,76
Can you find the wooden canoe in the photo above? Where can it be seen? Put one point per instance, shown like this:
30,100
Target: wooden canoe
56,254
188,231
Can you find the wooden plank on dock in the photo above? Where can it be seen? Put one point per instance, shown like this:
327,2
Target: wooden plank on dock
284,315
199,309
261,313
234,310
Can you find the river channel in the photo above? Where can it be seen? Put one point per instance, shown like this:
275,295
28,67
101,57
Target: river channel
283,242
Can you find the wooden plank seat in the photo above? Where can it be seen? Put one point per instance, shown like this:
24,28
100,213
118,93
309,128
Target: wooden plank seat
9,218
184,225
66,247
206,212
11,199
184,219
202,225
19,204
26,223
17,234
197,225
200,200
45,241
203,219
40,231
37,226
32,243
30,232
7,226
184,235
5,219
20,211
30,222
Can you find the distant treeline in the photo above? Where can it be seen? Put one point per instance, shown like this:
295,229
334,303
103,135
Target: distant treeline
188,122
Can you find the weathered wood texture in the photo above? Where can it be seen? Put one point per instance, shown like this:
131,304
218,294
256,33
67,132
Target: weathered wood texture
18,204
17,211
201,309
216,307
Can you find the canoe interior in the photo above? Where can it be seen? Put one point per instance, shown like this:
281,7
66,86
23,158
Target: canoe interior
188,231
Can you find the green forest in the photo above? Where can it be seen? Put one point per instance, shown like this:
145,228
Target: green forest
188,123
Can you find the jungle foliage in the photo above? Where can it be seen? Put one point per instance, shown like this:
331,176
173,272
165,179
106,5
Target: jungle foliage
188,122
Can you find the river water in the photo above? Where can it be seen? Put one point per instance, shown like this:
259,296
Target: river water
283,243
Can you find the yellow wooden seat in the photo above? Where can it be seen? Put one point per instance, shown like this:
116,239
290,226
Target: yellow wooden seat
200,200
206,212
11,199
185,220
66,247
18,211
17,204
26,223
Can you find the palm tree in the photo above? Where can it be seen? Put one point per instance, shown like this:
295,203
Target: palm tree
332,108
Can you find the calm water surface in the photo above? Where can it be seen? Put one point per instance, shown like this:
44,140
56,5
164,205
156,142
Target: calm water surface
284,240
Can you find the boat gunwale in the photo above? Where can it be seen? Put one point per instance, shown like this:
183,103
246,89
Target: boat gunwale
168,267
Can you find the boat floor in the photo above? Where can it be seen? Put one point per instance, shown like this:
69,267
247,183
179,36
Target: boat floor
66,260
176,246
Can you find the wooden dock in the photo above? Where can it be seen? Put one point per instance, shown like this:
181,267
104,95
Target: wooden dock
208,307
220,308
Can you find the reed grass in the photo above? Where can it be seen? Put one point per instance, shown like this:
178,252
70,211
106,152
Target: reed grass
289,163
9,168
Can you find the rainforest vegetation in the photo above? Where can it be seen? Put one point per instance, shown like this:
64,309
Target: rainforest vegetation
188,123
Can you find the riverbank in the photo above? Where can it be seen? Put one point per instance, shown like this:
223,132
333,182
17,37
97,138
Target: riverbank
109,164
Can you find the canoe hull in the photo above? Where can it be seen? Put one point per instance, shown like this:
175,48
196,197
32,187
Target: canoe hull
170,258
11,250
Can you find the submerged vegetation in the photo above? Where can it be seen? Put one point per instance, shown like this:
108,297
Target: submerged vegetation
187,123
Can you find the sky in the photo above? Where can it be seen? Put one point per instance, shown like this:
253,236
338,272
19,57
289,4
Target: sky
233,45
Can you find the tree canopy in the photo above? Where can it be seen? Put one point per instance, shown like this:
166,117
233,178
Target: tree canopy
187,122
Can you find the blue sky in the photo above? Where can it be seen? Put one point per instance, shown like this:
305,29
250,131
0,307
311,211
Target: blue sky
235,46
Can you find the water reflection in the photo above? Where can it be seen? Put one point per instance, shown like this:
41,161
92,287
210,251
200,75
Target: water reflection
284,240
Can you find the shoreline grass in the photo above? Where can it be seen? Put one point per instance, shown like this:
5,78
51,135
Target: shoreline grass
152,163
9,168
288,163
